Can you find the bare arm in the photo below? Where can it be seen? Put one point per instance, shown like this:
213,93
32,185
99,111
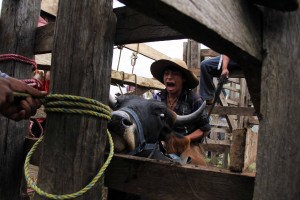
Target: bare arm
225,72
196,135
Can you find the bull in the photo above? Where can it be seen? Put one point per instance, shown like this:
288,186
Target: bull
138,126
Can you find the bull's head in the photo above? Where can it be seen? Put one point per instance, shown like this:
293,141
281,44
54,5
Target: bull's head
136,121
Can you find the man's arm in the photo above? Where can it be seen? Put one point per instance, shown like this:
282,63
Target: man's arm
225,71
197,135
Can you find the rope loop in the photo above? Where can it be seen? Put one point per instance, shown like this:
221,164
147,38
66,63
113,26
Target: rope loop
75,105
19,58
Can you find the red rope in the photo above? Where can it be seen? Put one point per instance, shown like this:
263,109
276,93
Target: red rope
19,58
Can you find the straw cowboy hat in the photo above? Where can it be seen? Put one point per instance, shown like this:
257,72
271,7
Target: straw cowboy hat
158,68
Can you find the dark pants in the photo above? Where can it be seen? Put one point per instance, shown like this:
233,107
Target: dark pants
209,69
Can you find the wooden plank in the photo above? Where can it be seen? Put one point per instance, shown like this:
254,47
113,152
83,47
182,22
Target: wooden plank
229,118
135,27
221,142
233,89
221,148
147,51
132,27
164,180
287,5
231,110
44,38
232,74
18,25
279,138
131,79
117,77
197,20
50,6
237,150
251,148
208,53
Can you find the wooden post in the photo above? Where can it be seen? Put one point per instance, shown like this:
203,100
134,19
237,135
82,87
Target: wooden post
278,142
237,150
17,31
73,150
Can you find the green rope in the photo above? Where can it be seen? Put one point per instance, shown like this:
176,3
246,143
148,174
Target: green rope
79,105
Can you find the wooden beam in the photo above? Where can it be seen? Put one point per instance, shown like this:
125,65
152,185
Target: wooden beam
166,180
50,6
117,77
232,74
83,50
286,5
280,106
134,27
17,32
131,79
208,53
147,51
221,148
230,110
197,20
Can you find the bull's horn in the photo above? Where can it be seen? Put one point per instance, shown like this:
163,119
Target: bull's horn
112,102
184,120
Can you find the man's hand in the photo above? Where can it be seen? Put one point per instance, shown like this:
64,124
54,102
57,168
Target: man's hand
6,95
225,73
18,110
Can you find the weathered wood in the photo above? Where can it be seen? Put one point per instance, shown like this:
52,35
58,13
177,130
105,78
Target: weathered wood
287,5
82,55
222,142
147,51
232,89
230,110
131,79
250,148
278,146
215,24
164,180
221,148
208,53
229,118
135,27
44,38
117,77
132,27
232,74
18,25
237,150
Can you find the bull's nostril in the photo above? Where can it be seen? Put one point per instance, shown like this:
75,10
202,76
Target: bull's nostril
126,122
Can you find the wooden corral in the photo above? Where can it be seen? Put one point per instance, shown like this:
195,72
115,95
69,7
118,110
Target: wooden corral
266,45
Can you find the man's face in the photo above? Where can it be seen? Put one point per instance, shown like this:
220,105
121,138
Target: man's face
173,80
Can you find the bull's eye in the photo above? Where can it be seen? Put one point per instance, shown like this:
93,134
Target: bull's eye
162,115
126,122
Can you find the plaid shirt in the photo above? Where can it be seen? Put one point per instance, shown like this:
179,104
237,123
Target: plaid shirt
188,103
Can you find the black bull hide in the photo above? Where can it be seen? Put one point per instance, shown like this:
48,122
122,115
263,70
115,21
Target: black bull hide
135,121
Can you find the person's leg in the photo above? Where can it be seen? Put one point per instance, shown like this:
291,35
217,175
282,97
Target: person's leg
209,68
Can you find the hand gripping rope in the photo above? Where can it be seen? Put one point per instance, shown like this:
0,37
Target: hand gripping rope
74,105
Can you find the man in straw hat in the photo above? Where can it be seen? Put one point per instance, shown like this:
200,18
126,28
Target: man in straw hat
178,94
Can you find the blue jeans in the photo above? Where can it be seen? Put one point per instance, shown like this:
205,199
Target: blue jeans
209,69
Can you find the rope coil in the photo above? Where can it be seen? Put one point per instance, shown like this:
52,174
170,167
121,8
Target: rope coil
79,105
